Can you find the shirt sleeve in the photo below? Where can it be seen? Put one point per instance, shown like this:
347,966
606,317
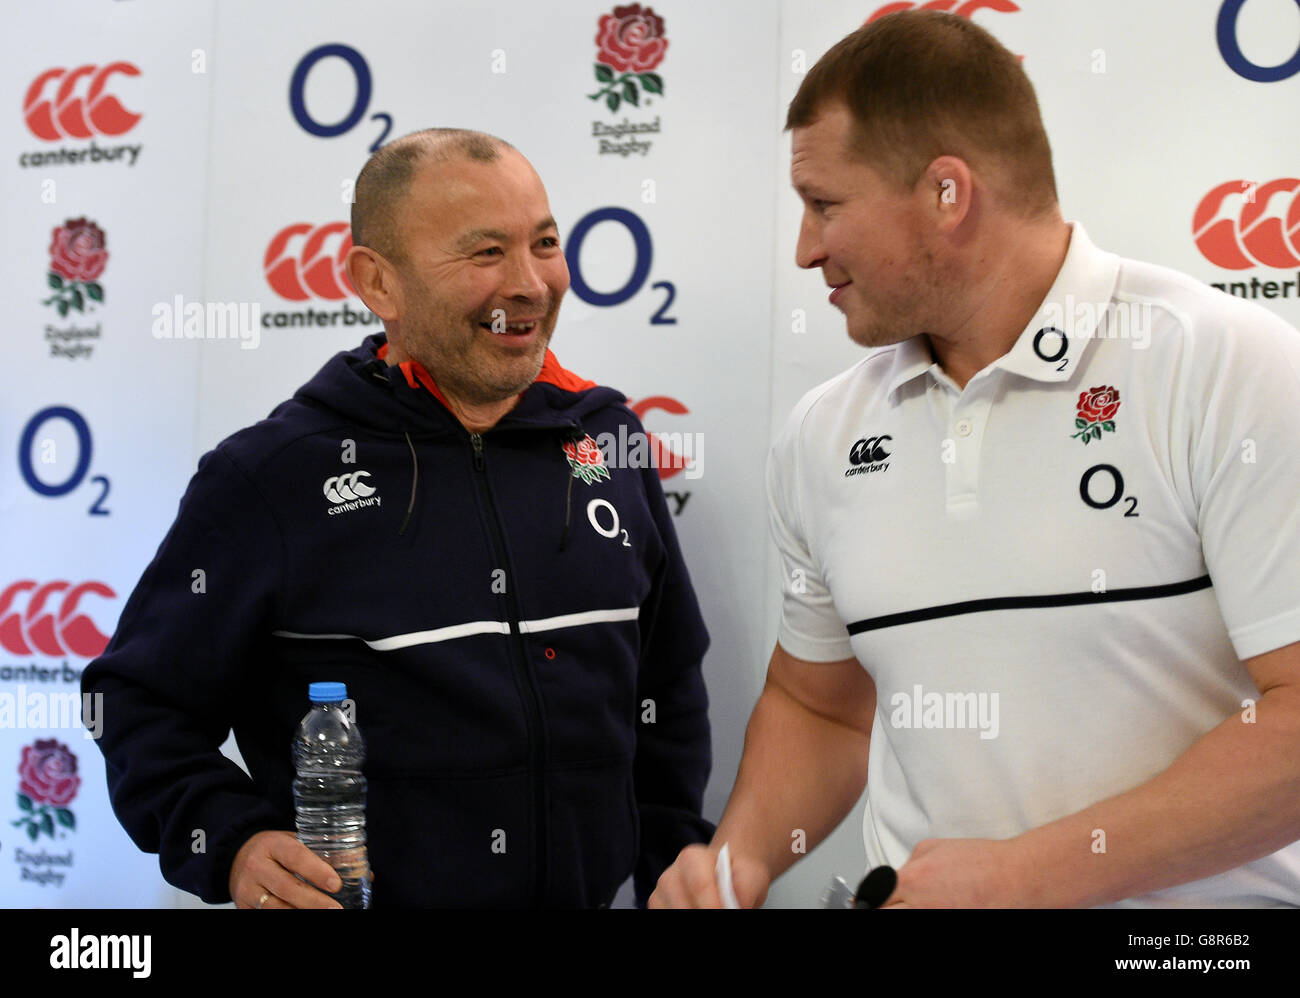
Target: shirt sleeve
1244,409
810,626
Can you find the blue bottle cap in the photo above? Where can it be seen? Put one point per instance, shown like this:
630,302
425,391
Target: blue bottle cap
327,692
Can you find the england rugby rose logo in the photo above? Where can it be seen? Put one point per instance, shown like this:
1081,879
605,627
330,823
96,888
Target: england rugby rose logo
629,43
1096,412
48,781
77,258
586,460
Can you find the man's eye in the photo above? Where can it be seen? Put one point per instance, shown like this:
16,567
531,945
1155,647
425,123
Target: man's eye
551,242
490,249
820,205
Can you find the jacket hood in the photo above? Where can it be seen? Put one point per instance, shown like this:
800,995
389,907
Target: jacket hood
362,387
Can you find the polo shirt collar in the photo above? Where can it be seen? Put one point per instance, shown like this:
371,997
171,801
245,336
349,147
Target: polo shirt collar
1050,346
1060,330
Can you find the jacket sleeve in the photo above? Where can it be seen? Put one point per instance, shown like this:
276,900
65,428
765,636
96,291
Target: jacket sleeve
673,755
178,673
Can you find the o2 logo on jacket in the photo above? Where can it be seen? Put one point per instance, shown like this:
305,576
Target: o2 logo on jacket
640,234
1248,235
360,100
51,456
49,622
305,261
80,106
1225,31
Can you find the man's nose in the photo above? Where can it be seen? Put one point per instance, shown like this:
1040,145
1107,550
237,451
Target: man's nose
808,251
525,278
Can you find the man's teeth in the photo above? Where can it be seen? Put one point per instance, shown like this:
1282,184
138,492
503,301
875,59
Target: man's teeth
517,327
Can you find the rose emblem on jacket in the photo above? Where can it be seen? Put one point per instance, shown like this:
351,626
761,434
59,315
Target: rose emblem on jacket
630,43
1096,412
586,459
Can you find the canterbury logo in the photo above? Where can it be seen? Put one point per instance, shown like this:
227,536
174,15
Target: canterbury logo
49,623
299,265
870,450
69,113
1261,229
953,6
348,488
667,460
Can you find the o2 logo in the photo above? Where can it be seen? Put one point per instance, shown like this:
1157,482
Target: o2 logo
360,102
1229,47
54,490
596,510
1098,497
640,268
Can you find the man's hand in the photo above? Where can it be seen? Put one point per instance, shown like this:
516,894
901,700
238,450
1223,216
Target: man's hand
262,875
961,873
691,882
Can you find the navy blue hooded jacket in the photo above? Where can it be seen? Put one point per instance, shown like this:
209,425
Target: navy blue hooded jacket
525,670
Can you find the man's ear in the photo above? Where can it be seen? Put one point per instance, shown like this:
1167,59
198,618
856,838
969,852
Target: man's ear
375,280
947,190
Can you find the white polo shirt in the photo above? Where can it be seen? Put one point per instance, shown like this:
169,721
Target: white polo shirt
1051,575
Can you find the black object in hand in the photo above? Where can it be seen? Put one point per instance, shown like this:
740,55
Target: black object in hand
875,887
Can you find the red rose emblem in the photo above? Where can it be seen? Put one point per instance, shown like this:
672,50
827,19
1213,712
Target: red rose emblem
49,773
631,39
585,452
1097,405
77,250
1097,408
586,460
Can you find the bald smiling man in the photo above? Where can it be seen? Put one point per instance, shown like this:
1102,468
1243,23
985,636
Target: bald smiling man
430,521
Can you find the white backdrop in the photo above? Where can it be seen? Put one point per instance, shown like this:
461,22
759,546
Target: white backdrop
1150,109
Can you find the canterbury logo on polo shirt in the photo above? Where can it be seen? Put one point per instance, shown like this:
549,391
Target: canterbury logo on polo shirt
867,455
350,491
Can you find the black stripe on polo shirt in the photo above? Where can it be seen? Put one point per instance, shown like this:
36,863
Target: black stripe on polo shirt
1028,603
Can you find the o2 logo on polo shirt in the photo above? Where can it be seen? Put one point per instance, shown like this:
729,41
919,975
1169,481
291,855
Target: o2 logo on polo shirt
640,234
51,455
1102,486
360,98
1225,31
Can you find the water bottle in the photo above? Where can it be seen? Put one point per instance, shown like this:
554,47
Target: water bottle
329,792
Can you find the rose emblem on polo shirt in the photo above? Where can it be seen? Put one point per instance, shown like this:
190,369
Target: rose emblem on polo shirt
586,460
1097,408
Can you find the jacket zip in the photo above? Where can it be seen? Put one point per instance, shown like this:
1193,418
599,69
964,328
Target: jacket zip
532,699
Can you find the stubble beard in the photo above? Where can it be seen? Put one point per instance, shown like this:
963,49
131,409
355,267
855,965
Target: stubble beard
464,365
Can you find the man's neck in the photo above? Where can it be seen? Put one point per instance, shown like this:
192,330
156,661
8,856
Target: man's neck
1001,305
476,417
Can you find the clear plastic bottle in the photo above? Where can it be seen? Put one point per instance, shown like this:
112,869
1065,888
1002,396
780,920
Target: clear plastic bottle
329,792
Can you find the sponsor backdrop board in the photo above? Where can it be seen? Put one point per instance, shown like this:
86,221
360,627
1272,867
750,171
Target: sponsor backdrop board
175,186
104,179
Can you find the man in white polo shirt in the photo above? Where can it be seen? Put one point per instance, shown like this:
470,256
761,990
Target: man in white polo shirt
1041,547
